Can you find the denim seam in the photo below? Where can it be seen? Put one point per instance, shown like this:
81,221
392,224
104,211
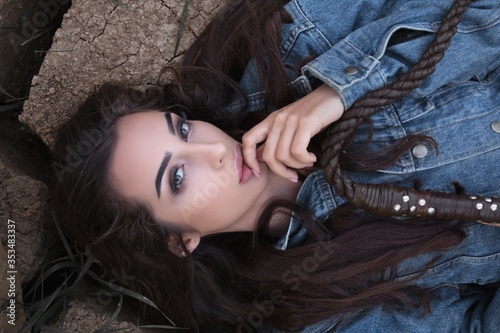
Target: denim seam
424,168
385,39
494,20
428,108
460,121
406,160
450,98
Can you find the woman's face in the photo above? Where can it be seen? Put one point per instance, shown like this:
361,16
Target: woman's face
187,172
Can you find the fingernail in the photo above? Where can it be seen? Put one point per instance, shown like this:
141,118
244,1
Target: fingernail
293,180
255,173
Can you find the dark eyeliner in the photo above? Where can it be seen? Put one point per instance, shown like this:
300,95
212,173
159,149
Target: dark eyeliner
174,170
171,178
181,122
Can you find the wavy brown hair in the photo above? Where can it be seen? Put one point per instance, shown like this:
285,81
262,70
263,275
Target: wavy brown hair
237,280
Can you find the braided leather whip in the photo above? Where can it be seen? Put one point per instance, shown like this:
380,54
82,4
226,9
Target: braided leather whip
386,199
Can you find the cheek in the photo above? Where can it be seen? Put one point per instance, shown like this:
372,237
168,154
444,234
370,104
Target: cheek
212,183
207,191
213,187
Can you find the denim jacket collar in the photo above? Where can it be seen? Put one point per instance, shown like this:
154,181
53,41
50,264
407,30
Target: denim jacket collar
319,197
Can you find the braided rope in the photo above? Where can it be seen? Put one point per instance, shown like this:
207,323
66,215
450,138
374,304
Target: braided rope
339,131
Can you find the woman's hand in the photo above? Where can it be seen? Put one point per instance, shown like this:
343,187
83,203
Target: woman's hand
289,130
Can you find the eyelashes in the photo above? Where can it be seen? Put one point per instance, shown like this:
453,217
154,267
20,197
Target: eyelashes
178,174
183,127
178,179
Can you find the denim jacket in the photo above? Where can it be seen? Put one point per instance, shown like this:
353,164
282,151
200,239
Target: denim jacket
364,44
459,298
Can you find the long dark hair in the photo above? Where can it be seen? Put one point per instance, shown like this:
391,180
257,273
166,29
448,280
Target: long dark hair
238,280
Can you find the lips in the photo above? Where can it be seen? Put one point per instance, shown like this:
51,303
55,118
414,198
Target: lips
244,172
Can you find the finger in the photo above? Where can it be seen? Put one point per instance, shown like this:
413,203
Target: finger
259,152
284,147
299,146
269,152
249,143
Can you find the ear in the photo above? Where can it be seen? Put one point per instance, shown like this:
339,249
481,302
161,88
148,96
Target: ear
190,240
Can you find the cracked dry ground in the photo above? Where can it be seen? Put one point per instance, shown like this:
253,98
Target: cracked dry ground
99,41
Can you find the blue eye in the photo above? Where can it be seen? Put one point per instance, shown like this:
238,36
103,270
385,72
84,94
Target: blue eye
183,127
184,130
179,177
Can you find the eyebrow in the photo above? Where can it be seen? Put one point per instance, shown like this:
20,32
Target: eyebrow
161,171
166,158
170,123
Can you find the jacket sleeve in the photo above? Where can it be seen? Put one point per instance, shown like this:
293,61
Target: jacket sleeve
387,43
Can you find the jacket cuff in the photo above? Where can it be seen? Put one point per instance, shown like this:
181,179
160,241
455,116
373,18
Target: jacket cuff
347,70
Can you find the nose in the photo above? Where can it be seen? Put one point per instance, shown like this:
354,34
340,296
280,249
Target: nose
213,152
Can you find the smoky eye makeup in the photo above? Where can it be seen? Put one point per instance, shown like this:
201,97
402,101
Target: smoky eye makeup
177,184
180,123
177,175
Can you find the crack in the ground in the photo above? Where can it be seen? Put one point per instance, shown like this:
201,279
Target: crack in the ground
165,5
111,12
102,31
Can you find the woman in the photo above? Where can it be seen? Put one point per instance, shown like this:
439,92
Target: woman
159,187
